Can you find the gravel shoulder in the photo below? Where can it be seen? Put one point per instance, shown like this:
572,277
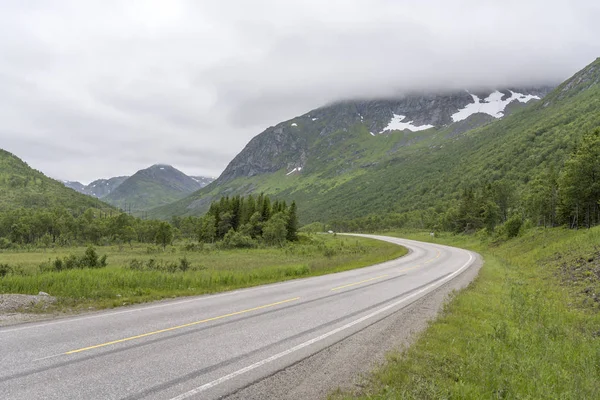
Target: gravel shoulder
20,308
347,364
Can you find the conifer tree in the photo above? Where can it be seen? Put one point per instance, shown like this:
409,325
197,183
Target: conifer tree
292,223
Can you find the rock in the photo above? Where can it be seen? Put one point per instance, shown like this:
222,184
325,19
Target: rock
43,294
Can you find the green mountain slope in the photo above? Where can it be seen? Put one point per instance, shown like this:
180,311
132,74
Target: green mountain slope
152,187
349,173
22,186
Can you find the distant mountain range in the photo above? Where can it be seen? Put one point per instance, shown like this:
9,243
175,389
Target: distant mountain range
98,188
151,187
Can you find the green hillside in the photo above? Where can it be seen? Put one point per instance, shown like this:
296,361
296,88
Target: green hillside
22,186
152,187
352,174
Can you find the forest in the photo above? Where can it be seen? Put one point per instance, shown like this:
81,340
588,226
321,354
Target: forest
567,197
235,222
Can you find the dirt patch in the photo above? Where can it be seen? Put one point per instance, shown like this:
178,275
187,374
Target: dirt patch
18,308
581,273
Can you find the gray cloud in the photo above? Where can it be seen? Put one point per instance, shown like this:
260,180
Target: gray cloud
102,88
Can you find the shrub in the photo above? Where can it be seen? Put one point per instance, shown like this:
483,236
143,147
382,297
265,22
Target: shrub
58,264
71,262
5,243
136,265
329,252
90,258
235,239
190,246
160,265
513,225
5,269
184,264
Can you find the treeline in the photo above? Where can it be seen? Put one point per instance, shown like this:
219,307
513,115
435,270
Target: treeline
239,221
569,197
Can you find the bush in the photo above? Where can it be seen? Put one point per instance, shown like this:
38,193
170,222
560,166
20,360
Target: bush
329,252
58,264
89,260
513,225
160,265
237,240
5,269
5,243
71,262
190,246
136,265
184,264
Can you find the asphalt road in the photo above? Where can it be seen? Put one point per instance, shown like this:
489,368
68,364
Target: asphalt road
210,346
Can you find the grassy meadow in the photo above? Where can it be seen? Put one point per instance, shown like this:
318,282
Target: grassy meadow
143,273
528,327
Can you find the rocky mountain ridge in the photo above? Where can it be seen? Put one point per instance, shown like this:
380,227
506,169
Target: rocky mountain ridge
98,188
288,144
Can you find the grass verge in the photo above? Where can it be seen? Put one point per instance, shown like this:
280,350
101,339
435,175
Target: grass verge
142,273
527,327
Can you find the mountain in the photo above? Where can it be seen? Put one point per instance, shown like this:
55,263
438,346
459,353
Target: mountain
203,180
22,186
151,187
308,156
290,144
98,188
339,162
77,186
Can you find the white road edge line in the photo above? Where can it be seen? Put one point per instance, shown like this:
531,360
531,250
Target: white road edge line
258,364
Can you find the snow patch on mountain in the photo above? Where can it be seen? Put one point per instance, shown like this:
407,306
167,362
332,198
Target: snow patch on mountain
298,169
492,105
396,124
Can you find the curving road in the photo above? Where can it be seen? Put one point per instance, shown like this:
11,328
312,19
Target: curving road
210,346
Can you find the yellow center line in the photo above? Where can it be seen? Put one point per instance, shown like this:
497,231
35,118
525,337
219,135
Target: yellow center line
358,283
180,326
383,276
434,258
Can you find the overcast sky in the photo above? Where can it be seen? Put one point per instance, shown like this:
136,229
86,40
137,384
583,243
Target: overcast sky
92,89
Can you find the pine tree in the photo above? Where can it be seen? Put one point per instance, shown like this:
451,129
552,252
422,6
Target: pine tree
292,223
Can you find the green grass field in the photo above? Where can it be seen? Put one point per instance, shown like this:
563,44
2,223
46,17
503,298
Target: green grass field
527,328
209,269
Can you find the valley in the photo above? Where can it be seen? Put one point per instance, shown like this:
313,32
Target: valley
393,200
